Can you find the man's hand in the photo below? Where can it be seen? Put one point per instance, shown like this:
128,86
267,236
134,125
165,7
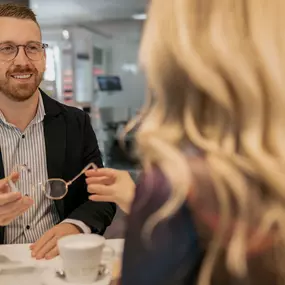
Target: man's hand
46,246
12,204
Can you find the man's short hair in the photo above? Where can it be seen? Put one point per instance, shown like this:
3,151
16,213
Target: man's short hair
17,11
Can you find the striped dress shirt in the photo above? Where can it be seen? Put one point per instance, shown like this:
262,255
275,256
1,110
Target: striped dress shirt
28,148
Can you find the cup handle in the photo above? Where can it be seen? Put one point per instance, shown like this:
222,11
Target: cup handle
106,263
111,254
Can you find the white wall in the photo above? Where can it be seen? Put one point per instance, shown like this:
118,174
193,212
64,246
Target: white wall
82,41
121,46
124,63
121,59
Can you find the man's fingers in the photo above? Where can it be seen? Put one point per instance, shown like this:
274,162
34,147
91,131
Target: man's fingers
4,182
23,210
4,188
7,219
16,206
42,241
37,246
100,189
52,253
6,198
46,248
100,180
14,176
101,198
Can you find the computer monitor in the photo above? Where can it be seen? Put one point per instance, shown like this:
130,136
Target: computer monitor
109,83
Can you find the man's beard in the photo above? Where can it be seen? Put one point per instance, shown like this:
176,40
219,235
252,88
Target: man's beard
20,92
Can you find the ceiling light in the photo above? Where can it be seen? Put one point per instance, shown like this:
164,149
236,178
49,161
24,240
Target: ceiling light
65,34
140,17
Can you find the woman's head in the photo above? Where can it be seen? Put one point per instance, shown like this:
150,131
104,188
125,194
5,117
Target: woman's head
216,71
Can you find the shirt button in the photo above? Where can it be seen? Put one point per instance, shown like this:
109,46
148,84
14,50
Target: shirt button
23,136
28,227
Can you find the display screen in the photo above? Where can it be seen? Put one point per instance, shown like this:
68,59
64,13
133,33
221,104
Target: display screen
109,83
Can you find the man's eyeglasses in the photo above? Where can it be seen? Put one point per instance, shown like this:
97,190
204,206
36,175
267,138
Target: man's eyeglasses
53,188
33,50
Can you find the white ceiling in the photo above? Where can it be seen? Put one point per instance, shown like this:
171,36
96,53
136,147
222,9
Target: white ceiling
54,12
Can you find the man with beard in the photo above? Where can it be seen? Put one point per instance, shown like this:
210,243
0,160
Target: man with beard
51,140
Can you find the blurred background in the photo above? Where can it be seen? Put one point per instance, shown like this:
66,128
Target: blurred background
92,63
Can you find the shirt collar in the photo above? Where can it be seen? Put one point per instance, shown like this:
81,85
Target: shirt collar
2,119
39,117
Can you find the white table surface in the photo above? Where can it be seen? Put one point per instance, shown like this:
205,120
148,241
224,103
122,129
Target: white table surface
44,273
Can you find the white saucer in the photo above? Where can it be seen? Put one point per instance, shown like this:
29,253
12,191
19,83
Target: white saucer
21,274
49,277
15,265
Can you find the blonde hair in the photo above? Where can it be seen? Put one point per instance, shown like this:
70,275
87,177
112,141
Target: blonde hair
215,69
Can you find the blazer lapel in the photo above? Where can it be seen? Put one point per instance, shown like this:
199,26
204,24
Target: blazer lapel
2,174
55,141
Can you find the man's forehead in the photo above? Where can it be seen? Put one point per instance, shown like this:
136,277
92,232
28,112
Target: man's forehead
12,29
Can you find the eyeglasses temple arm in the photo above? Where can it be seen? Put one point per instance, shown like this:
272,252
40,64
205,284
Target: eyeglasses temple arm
93,165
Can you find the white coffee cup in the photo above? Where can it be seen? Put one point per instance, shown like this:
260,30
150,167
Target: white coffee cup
81,256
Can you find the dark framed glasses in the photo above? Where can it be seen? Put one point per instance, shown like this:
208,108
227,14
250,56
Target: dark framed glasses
33,50
53,188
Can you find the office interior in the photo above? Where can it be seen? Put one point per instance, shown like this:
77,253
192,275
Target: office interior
92,64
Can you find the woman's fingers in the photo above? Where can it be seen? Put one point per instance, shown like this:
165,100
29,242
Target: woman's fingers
111,185
100,180
108,172
100,189
104,176
101,198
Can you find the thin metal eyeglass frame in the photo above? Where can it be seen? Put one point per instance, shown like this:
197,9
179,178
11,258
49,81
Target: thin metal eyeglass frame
43,186
43,46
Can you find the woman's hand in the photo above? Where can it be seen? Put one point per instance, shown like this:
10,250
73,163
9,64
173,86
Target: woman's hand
111,185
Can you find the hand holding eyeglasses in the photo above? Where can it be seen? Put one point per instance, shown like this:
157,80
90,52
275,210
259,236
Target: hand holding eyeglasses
111,185
53,188
12,204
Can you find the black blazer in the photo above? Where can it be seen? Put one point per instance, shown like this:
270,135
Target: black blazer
70,145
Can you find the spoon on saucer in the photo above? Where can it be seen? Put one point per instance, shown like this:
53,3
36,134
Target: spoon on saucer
103,271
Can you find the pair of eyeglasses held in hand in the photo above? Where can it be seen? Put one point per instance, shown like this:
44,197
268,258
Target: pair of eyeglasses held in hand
53,188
